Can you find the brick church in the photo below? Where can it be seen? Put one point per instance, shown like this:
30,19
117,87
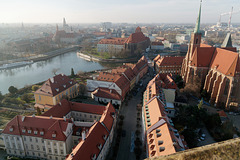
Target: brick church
217,69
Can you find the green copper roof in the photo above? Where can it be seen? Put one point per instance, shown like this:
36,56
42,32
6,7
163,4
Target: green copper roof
197,27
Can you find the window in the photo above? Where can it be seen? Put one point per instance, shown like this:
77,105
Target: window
26,146
31,146
43,148
18,138
36,140
42,140
38,147
61,151
49,150
53,135
41,133
55,151
39,97
35,132
23,130
29,131
30,139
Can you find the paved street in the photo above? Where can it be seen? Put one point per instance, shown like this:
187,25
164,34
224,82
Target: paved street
129,124
208,138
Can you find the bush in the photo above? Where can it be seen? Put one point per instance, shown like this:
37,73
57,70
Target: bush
12,101
12,89
35,87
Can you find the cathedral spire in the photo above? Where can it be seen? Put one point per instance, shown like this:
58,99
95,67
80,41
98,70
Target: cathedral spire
197,27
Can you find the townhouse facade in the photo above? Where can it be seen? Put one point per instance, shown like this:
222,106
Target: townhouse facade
55,134
54,90
164,64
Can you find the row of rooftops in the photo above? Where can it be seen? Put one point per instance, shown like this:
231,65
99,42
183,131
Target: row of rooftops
163,61
225,60
161,137
121,76
52,126
136,37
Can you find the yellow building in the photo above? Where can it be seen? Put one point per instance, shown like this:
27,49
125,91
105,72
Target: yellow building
54,90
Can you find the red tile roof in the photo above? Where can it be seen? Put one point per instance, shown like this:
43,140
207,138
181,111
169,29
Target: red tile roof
107,93
57,84
115,41
222,113
136,38
170,61
127,71
87,148
38,123
157,44
107,116
66,106
202,56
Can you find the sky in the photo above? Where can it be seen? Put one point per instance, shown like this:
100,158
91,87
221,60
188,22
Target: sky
116,11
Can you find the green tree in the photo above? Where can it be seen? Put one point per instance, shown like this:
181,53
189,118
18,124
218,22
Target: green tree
25,97
1,96
35,87
38,111
12,89
200,104
72,73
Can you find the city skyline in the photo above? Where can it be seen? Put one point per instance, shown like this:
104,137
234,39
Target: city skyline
171,11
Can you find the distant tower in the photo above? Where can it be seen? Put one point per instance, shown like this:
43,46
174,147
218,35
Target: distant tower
22,26
64,23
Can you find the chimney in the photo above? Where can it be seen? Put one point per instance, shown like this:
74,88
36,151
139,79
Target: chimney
83,135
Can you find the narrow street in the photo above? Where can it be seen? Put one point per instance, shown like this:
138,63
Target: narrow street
126,148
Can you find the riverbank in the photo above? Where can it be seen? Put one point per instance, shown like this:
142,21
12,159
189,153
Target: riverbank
90,57
43,56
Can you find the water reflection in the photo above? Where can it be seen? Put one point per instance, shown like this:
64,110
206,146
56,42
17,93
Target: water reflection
41,71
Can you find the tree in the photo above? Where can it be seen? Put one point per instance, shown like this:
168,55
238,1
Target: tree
72,73
82,89
35,87
25,97
1,96
200,104
38,111
12,89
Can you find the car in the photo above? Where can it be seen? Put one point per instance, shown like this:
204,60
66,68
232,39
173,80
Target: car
202,138
231,113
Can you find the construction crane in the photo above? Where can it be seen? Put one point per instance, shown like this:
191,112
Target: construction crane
230,18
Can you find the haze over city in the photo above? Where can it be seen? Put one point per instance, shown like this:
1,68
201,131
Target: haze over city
154,11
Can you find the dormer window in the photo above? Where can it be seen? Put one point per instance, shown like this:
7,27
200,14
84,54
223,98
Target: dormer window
99,146
57,89
93,157
70,82
11,129
105,137
64,86
35,132
23,130
42,133
54,135
29,131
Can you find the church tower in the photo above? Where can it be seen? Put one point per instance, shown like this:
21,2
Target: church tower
194,42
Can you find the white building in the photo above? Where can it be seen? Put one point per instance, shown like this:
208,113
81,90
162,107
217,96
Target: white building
52,137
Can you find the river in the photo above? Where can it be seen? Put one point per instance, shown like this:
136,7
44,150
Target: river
41,71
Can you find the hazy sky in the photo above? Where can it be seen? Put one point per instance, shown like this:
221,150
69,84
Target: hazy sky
88,11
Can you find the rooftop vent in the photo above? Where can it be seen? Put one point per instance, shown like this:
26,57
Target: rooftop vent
160,142
159,134
161,149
